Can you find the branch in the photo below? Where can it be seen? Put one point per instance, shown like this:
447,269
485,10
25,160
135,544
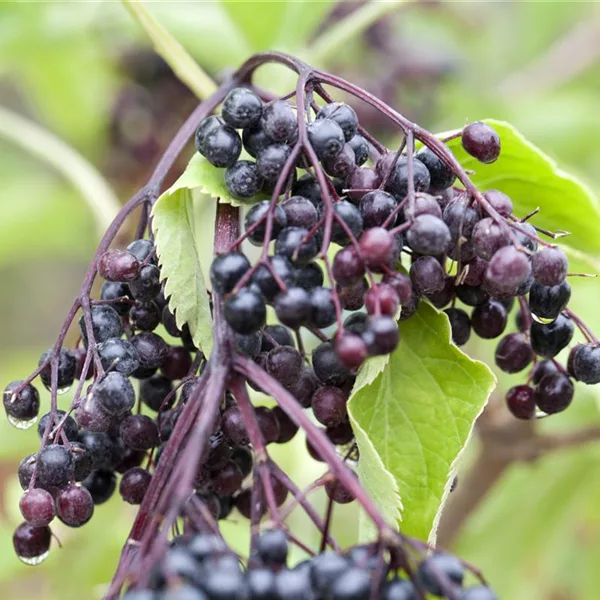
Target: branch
334,37
174,54
94,189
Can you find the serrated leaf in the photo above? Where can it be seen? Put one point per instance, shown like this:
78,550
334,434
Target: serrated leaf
532,179
210,180
173,225
416,417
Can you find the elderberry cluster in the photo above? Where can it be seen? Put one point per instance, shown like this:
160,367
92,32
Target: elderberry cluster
465,254
202,567
84,450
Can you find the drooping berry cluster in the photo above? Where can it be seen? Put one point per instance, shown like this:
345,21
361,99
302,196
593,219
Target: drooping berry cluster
202,566
352,239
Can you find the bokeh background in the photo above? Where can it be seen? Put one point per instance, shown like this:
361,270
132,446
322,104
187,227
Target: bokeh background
85,73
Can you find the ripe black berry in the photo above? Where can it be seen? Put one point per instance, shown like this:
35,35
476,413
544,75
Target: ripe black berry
441,175
139,432
329,406
218,142
284,363
489,319
243,180
326,137
272,547
292,243
397,183
548,340
481,141
151,349
586,363
327,366
549,266
513,353
507,270
118,265
245,312
74,505
300,212
487,238
443,564
241,108
547,302
376,207
154,390
67,366
101,484
293,307
500,202
279,121
460,325
342,164
37,507
322,308
113,290
309,276
428,235
352,218
118,355
31,543
255,139
427,275
23,406
106,324
134,485
258,214
343,115
145,316
554,393
271,160
360,147
348,268
54,467
521,402
378,247
381,335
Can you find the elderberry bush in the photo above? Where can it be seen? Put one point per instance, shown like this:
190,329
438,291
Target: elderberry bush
354,236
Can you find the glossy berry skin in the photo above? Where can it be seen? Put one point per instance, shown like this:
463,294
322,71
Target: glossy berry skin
481,141
218,142
134,485
233,426
147,286
428,235
55,467
272,547
350,215
376,207
106,324
241,108
427,276
554,393
500,202
101,484
327,366
305,387
293,307
82,461
343,115
227,270
92,417
37,507
547,302
487,238
245,312
142,250
69,427
441,176
271,160
326,138
118,265
441,562
549,266
360,147
397,183
381,335
361,180
427,205
513,353
329,406
67,365
478,592
154,390
23,406
521,402
145,316
257,218
274,336
309,276
342,164
278,121
292,243
118,355
322,308
489,319
382,298
243,180
255,139
112,290
115,393
586,364
74,505
30,542
300,212
284,363
139,432
548,340
460,325
378,247
348,268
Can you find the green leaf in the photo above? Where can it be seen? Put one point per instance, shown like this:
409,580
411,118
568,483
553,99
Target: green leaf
532,179
210,180
173,225
414,419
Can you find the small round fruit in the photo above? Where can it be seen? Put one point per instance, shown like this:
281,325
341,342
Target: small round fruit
481,142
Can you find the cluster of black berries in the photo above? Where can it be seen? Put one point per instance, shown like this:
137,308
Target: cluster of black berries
84,450
201,567
467,255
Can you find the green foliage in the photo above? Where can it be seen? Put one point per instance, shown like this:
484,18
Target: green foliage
418,414
175,238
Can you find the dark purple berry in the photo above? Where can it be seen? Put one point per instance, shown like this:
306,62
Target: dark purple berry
481,141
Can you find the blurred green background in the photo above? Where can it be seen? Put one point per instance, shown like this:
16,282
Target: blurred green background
86,74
